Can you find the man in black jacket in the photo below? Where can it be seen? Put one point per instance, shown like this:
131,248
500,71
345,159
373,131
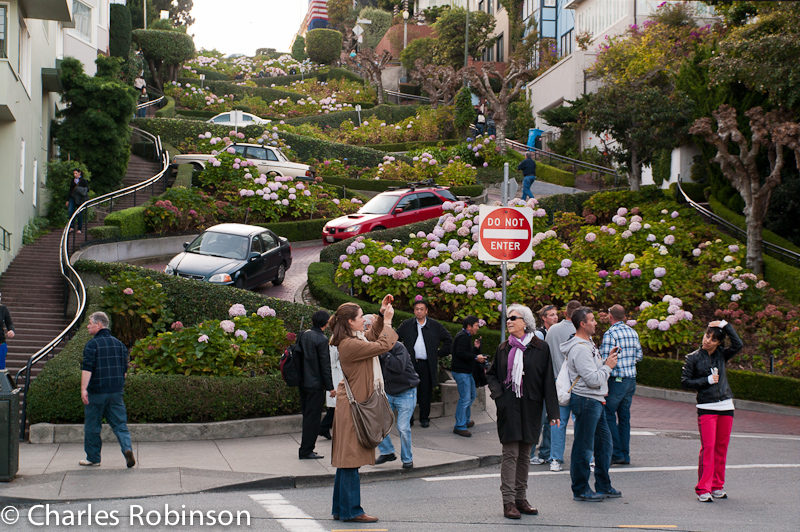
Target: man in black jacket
528,169
466,353
315,382
400,382
5,319
426,340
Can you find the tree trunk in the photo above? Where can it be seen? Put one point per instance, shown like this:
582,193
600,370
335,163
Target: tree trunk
500,123
379,86
155,71
636,171
755,225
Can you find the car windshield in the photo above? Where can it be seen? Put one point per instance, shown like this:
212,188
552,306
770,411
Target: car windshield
379,205
220,245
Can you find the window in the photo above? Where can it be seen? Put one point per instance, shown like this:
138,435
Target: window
489,7
566,43
268,241
238,149
257,153
480,5
24,58
3,31
271,156
256,245
83,20
500,54
35,188
22,167
223,118
408,203
429,199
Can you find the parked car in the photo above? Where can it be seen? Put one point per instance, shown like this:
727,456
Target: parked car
392,208
244,256
266,158
247,119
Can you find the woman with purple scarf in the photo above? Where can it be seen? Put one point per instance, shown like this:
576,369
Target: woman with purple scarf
521,381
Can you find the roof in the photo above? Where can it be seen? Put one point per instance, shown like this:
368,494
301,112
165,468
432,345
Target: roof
236,229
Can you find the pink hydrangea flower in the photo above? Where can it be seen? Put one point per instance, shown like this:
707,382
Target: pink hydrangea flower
266,311
176,326
203,338
652,324
128,291
227,325
590,237
237,310
241,334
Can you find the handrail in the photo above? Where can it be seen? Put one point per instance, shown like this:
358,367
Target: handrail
6,238
71,276
787,255
564,158
409,96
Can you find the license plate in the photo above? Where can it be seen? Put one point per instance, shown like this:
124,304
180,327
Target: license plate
329,238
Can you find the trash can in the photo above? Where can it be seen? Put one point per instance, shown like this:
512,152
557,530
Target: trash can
533,137
9,428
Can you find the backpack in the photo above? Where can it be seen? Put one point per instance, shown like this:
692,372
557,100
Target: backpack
563,388
291,364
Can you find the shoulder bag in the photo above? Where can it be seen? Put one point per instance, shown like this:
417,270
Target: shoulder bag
373,418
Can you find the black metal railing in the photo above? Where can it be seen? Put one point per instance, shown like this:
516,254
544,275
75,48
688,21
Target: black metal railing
74,283
5,243
784,255
574,163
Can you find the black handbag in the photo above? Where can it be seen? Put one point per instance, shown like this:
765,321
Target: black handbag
373,418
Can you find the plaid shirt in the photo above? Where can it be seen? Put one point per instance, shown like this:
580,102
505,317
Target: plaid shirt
630,350
107,359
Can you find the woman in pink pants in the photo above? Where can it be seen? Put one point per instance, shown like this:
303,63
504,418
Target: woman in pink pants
704,371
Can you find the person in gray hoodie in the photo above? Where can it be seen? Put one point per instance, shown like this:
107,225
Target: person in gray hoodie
589,373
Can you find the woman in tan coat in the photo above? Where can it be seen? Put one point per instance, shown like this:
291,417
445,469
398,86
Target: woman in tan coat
357,351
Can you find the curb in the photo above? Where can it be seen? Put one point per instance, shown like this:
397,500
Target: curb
680,396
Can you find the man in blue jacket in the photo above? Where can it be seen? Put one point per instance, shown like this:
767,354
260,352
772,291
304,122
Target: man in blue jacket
105,363
528,169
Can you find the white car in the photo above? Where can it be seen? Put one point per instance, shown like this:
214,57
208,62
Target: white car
244,119
266,158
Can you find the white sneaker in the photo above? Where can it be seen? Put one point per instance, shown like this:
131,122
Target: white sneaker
88,463
555,465
719,494
705,497
591,466
536,461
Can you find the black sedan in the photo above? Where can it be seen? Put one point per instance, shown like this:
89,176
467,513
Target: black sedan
244,256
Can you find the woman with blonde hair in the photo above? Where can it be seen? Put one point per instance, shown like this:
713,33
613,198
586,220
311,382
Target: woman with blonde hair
358,356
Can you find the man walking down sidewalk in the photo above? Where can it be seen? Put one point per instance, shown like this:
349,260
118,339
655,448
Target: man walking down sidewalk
557,335
588,396
105,363
622,383
400,381
466,352
316,381
5,320
528,169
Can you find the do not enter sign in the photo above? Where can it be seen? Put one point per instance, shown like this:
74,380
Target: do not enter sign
505,234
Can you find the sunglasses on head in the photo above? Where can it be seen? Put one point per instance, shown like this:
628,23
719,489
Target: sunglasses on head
513,318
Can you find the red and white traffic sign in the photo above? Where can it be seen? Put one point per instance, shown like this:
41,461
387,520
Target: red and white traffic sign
505,234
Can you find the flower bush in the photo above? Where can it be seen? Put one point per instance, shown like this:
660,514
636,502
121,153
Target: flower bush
136,305
453,173
243,345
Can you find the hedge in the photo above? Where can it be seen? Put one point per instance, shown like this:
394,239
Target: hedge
210,75
104,232
389,113
333,73
414,145
168,111
383,185
551,174
300,230
54,396
130,221
323,45
265,93
695,191
739,221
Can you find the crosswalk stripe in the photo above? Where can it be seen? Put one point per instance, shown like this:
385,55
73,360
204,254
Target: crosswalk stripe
286,514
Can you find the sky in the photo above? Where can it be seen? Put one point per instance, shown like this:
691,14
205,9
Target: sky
242,26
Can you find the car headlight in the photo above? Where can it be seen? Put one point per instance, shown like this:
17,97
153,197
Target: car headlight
220,278
352,229
169,270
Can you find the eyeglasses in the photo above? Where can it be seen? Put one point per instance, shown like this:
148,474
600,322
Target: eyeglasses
514,318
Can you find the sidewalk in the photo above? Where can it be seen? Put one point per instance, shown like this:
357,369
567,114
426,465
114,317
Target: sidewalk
51,472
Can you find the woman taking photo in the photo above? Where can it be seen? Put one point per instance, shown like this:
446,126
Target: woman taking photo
358,354
520,381
704,371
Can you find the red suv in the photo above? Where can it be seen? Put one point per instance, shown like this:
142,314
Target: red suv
392,208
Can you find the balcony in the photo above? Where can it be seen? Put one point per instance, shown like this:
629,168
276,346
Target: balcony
60,10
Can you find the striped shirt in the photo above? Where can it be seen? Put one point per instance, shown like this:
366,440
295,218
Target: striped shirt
630,350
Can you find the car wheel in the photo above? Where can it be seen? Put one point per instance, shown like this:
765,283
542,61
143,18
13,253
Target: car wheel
281,275
197,167
240,282
377,228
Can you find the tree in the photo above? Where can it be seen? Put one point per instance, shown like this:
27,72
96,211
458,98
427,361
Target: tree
120,31
516,76
299,48
770,132
370,66
323,45
450,29
423,48
440,82
381,22
95,128
179,12
341,14
465,113
164,52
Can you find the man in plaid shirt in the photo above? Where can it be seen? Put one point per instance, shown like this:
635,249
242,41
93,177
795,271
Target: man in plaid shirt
105,363
622,383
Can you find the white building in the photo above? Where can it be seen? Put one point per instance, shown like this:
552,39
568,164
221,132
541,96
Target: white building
88,33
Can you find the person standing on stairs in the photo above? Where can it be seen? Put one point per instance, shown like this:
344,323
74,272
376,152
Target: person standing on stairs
78,194
5,321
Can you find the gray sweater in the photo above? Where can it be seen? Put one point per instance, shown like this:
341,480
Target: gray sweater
557,335
583,358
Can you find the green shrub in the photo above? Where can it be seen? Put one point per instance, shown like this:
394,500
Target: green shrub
783,277
239,91
35,228
340,73
211,75
168,111
550,174
739,221
389,113
465,113
414,145
196,113
119,31
104,232
300,230
279,81
695,191
131,222
323,45
136,305
384,185
59,177
165,48
381,22
299,48
184,177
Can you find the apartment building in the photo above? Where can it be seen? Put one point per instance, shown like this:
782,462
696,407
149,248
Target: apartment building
88,33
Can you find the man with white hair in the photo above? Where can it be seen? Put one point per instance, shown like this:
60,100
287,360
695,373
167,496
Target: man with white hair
105,363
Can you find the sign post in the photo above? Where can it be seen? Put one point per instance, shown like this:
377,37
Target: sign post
358,110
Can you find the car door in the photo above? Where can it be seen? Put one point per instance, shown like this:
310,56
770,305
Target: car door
272,254
258,275
257,155
409,205
430,206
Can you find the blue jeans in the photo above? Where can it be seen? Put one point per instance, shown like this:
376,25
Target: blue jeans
346,494
466,396
558,436
112,407
618,415
544,448
72,209
404,404
527,181
591,436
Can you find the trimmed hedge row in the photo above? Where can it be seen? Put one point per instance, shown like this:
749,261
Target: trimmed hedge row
414,145
739,221
696,191
104,232
383,185
265,93
130,221
551,174
168,111
54,396
387,112
300,230
183,179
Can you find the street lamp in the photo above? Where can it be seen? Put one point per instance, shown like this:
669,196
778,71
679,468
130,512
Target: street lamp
405,29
